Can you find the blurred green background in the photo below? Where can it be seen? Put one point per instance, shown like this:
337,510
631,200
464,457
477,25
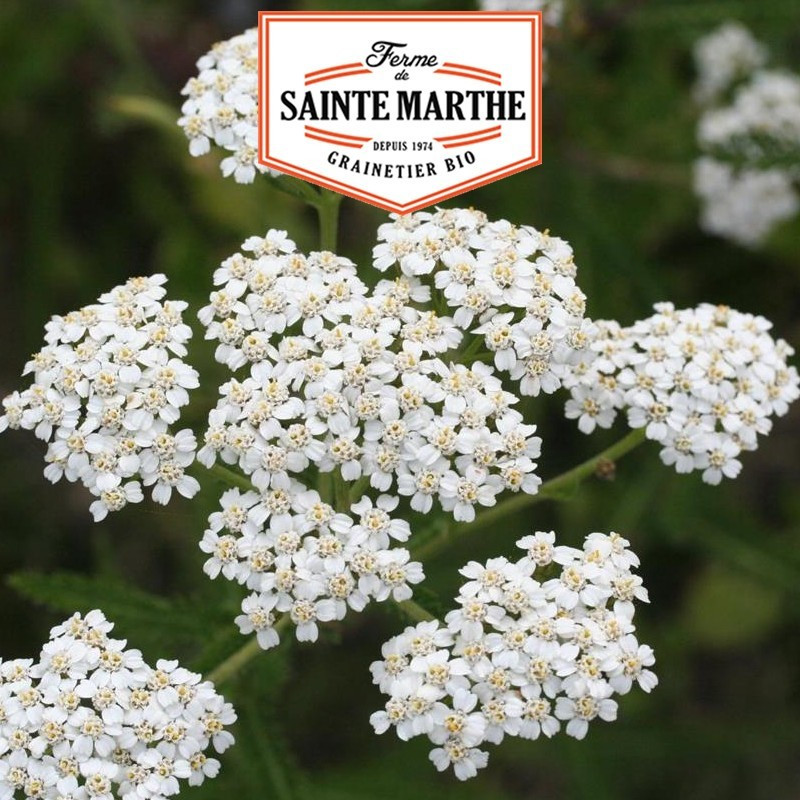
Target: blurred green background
97,186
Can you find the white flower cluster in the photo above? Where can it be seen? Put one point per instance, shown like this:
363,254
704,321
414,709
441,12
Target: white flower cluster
107,386
513,286
301,559
520,655
358,383
722,58
222,106
743,204
90,719
749,133
702,382
762,119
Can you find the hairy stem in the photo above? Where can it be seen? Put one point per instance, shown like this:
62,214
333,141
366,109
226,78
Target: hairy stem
234,662
550,490
341,494
232,477
415,611
327,207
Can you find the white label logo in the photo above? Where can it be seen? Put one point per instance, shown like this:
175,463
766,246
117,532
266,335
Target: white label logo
400,109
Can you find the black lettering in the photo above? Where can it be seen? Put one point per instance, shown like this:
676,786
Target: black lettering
433,110
286,99
515,104
408,104
380,52
454,102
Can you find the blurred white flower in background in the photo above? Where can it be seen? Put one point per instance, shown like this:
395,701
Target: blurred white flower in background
552,13
749,132
552,10
744,204
723,57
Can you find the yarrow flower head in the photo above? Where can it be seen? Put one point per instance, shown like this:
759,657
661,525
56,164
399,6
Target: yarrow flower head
377,391
302,562
108,387
703,383
522,654
90,719
749,134
222,106
513,285
362,384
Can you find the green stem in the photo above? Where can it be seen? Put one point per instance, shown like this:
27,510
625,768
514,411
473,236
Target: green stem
341,493
328,211
231,665
356,490
415,611
471,350
231,477
296,188
573,477
325,487
552,489
225,670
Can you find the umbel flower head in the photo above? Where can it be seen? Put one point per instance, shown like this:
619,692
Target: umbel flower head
703,383
90,719
376,391
303,562
221,106
108,386
514,285
379,385
749,134
522,654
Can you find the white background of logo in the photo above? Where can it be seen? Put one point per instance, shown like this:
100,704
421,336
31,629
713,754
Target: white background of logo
294,45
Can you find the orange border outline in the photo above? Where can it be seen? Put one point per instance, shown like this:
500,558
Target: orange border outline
468,75
352,65
466,135
340,142
467,142
334,75
535,158
338,135
467,68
